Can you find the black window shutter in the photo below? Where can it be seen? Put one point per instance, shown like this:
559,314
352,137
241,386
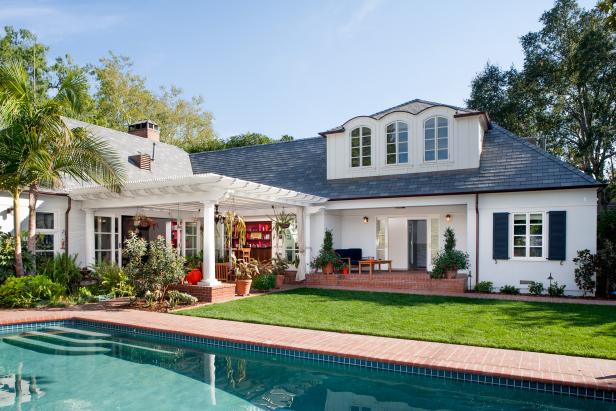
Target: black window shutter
557,232
500,236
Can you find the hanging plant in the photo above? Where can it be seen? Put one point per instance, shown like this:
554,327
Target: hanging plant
142,221
235,226
282,221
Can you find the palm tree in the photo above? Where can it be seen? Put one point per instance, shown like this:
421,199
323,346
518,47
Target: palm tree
38,149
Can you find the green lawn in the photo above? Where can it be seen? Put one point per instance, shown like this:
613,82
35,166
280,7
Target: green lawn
574,329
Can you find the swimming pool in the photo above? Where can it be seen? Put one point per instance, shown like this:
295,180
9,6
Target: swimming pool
75,366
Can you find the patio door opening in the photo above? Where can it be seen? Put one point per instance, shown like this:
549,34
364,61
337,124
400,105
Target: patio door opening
417,244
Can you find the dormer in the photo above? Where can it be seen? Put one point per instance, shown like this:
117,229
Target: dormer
413,137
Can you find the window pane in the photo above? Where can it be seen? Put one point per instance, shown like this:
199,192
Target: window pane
403,158
430,123
535,251
44,242
429,134
442,132
191,242
103,256
536,229
355,133
403,137
391,159
355,152
355,162
391,148
402,126
391,128
443,143
365,141
191,229
519,218
44,221
366,161
103,224
519,251
391,138
536,241
536,218
365,131
429,145
403,147
365,151
429,156
442,122
519,241
442,154
355,142
519,229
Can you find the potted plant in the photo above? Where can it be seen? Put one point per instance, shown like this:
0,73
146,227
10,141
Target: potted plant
279,268
244,271
327,259
281,221
448,261
193,264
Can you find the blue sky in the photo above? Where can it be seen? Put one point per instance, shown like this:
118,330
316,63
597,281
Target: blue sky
291,67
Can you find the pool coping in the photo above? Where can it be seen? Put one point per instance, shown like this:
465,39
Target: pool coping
560,383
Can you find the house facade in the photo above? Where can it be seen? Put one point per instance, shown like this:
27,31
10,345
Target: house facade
389,184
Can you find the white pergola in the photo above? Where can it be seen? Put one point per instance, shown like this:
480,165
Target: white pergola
196,193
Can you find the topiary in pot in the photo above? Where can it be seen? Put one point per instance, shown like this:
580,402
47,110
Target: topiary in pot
327,259
448,261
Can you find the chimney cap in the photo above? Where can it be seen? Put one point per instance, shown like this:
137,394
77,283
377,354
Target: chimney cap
146,123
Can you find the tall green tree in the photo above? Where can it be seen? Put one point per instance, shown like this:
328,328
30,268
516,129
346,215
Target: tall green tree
565,91
38,149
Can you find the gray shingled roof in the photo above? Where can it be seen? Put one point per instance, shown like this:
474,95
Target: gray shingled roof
508,163
168,161
414,106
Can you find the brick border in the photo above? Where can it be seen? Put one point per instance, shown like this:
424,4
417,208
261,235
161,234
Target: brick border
217,294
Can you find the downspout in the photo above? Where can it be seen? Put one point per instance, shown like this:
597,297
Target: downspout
66,219
476,238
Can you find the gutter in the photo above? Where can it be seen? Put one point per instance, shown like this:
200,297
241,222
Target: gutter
66,223
476,238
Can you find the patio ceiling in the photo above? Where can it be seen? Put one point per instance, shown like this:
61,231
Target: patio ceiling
189,192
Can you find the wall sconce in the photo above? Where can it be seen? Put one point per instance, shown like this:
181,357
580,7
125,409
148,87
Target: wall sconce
448,218
365,219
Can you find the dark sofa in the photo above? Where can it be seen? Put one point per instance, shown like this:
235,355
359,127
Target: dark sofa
350,256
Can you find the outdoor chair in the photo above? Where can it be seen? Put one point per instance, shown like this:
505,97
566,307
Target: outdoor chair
350,256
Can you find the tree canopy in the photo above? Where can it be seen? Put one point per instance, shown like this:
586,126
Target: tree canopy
565,90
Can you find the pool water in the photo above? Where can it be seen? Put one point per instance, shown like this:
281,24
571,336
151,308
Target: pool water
82,368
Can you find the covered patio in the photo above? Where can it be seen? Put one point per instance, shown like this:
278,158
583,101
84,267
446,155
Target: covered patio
184,210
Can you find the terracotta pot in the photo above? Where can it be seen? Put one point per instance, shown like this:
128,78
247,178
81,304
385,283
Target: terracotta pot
242,287
329,268
451,274
279,280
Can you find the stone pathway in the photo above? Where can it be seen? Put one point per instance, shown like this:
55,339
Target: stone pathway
547,368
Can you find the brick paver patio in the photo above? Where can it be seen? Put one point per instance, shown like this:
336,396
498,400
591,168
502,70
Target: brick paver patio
547,368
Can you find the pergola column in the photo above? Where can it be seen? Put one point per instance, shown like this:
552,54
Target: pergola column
209,244
89,233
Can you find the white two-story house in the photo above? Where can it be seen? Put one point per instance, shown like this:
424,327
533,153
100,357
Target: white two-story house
388,184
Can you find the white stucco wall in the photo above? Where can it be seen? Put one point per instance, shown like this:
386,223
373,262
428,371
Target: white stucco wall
581,208
465,136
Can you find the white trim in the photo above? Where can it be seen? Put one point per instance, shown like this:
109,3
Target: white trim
397,143
436,147
361,146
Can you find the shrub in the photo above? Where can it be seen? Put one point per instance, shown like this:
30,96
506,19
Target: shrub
28,291
535,288
509,289
264,282
448,259
114,281
7,256
586,268
62,269
162,267
555,290
484,286
84,295
176,297
279,265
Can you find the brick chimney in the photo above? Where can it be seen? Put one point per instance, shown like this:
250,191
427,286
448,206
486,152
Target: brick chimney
145,129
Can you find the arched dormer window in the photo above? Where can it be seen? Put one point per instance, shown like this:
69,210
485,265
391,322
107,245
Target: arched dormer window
436,139
361,147
397,141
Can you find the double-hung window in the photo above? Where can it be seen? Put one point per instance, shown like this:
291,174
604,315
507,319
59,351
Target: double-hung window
436,139
528,235
397,143
103,239
45,240
361,147
190,239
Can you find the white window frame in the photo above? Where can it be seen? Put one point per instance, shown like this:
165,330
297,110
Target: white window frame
512,236
384,223
361,148
48,231
114,246
195,249
436,138
397,143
